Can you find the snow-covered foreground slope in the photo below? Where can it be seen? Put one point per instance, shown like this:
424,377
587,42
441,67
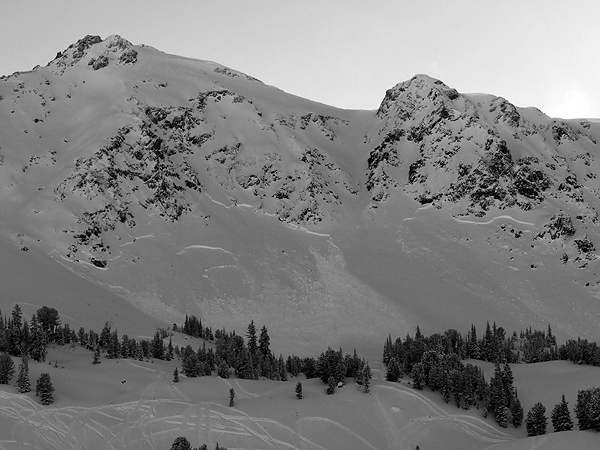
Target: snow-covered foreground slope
181,186
148,411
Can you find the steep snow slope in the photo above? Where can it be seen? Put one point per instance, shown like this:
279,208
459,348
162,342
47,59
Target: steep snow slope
187,187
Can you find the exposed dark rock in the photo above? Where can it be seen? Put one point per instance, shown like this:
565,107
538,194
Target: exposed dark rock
99,63
560,226
584,245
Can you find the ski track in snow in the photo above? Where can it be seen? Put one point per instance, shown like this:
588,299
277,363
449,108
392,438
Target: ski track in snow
217,202
472,426
145,423
495,218
305,230
207,247
137,238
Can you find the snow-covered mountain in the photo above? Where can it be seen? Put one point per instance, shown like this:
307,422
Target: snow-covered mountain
184,186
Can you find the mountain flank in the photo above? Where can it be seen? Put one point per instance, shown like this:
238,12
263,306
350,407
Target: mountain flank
183,186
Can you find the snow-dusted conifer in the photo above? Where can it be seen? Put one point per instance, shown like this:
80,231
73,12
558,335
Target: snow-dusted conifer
23,383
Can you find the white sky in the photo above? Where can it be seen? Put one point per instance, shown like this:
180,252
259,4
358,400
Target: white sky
346,53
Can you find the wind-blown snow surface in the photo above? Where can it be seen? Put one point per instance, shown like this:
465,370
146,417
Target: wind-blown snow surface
136,187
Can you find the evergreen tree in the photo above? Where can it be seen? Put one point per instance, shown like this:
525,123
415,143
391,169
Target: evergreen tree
23,383
38,347
114,346
282,369
298,390
507,380
367,375
170,351
96,359
587,409
181,443
536,420
190,366
252,339
418,376
393,370
7,368
176,375
500,415
517,412
44,389
331,385
264,342
231,397
223,369
561,416
497,396
358,378
157,348
473,344
388,350
14,331
49,321
104,337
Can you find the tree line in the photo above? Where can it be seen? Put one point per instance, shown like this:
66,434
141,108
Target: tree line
436,361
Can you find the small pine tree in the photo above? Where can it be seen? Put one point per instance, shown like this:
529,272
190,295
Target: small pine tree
96,359
170,350
298,390
231,397
500,415
517,412
367,378
330,385
23,383
418,376
7,368
561,417
393,370
44,389
181,443
176,375
536,420
223,369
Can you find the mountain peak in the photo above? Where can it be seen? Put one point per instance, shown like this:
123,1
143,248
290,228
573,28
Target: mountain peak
100,52
407,94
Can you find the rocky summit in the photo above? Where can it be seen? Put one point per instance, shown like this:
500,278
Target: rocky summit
187,187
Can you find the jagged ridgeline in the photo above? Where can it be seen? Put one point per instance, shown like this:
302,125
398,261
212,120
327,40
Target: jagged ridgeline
193,188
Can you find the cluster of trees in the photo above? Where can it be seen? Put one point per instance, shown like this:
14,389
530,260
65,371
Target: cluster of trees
182,443
252,358
20,338
587,409
436,362
333,367
249,359
192,326
467,385
108,342
580,351
536,421
30,340
493,346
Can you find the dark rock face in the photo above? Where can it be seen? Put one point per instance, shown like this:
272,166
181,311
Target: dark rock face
584,245
451,148
560,226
